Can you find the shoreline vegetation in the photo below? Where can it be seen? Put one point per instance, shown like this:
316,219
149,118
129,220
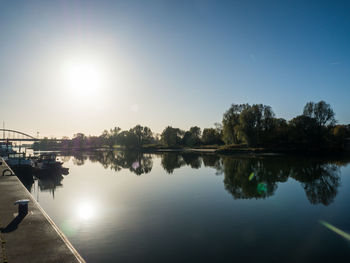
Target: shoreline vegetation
245,129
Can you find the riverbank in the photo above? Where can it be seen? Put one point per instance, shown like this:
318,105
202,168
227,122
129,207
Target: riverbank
242,150
216,149
32,237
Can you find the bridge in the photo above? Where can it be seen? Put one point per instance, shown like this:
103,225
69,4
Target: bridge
20,136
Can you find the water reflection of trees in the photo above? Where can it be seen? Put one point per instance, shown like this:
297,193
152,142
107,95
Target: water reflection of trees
171,161
319,180
251,178
50,182
258,177
79,158
136,162
244,178
192,160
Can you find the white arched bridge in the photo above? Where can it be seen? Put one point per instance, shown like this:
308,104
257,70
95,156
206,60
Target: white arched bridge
13,135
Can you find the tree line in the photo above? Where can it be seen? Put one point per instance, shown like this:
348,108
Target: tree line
242,125
256,125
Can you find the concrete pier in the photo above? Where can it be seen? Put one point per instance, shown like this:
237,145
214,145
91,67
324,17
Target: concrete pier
34,237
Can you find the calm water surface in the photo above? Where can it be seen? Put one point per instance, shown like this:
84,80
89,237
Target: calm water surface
129,207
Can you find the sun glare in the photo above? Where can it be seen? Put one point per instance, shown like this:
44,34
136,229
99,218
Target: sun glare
86,211
83,80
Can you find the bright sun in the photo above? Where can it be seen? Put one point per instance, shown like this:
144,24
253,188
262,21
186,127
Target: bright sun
83,80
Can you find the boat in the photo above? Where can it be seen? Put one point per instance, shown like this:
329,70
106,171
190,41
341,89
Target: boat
19,163
6,148
47,164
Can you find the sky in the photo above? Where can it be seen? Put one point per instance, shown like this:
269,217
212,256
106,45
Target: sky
85,66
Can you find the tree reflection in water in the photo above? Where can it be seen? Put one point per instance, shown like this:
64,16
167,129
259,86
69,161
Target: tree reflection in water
171,161
244,177
258,177
79,158
192,160
239,182
319,178
136,162
50,182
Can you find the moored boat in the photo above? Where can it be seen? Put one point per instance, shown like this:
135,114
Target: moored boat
47,164
47,161
6,148
19,163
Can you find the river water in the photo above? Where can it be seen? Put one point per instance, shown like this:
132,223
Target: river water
171,207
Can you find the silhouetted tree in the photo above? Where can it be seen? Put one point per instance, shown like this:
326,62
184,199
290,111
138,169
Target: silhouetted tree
128,139
192,137
110,137
279,135
79,140
171,136
143,135
303,131
321,112
211,136
47,144
339,135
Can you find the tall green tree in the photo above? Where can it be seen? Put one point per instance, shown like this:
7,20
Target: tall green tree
255,124
230,123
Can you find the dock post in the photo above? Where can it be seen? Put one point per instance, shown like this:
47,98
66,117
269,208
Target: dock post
22,207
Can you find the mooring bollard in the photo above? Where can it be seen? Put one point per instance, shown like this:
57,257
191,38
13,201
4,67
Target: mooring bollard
22,206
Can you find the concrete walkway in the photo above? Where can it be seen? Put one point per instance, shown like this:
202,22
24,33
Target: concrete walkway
34,238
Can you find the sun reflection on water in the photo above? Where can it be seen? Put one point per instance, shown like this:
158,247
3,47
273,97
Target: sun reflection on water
84,214
86,210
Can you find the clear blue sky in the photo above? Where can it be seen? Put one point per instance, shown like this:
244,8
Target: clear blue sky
159,63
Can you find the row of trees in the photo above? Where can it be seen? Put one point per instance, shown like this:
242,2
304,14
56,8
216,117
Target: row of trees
136,138
242,124
193,137
256,125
